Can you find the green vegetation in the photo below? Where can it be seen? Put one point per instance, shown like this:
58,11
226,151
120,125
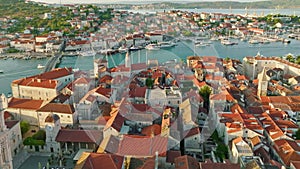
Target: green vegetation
221,150
37,139
149,83
298,59
31,16
24,127
205,92
12,50
33,142
298,134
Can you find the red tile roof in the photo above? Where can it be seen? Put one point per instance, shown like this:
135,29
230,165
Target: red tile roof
82,80
36,82
116,121
219,166
104,91
287,150
103,161
147,145
171,155
79,136
186,162
138,92
55,73
11,124
58,108
154,130
25,103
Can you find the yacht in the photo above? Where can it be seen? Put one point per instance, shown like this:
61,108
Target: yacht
165,44
152,47
40,66
228,42
122,49
253,41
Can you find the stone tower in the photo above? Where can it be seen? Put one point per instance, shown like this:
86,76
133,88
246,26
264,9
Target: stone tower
5,153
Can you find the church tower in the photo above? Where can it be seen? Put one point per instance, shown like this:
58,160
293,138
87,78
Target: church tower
262,83
52,127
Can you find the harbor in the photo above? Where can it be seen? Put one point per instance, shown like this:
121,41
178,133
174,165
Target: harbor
18,68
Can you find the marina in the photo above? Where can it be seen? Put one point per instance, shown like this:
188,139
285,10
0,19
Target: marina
18,68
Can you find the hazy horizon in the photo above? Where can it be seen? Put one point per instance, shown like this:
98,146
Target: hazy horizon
130,1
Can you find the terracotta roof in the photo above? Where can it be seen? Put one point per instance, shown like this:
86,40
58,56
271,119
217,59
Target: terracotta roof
11,124
104,91
147,145
36,82
186,162
191,132
154,130
55,73
219,166
287,150
103,161
142,163
105,79
79,136
61,98
116,121
138,92
7,115
82,80
25,103
171,155
58,108
296,164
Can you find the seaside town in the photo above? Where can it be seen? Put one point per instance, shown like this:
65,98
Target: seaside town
201,112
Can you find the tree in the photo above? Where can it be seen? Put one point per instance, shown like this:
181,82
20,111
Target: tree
298,134
205,92
290,58
24,127
298,59
149,82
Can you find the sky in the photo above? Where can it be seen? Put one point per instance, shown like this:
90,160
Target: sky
131,1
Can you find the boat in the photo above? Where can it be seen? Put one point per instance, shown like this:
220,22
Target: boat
134,48
122,49
27,57
152,47
165,44
1,71
108,51
40,66
228,42
286,41
253,41
87,53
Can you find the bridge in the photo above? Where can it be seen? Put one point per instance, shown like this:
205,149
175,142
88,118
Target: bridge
55,59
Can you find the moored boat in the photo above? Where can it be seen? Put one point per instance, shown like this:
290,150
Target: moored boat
152,47
40,66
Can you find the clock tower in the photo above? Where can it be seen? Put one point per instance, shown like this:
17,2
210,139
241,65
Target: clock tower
52,127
